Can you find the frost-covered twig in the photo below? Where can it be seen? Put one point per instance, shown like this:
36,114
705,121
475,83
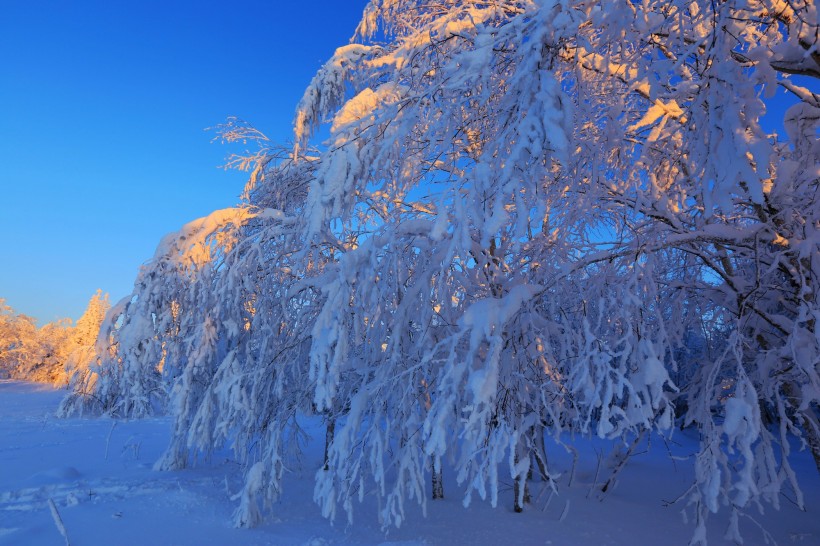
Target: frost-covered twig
108,439
565,511
594,484
58,521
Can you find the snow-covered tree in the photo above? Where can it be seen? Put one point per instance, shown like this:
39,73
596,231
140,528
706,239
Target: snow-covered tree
80,351
51,346
31,353
530,217
18,345
598,147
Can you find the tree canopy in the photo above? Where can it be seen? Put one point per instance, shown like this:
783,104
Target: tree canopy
529,217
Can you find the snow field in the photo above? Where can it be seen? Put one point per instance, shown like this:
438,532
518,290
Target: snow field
98,474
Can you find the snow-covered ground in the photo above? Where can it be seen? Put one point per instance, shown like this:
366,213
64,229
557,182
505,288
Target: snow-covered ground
98,474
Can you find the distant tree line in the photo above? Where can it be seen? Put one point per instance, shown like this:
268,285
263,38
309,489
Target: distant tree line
54,352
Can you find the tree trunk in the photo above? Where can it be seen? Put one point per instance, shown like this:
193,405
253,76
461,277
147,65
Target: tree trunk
808,420
621,462
519,501
812,427
539,454
521,498
438,483
330,431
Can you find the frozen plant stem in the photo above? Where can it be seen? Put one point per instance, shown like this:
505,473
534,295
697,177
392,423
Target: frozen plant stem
58,521
597,473
108,440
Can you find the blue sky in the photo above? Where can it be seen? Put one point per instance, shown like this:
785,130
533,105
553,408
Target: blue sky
104,106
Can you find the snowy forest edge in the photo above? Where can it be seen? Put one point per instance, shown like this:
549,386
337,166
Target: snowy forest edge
529,218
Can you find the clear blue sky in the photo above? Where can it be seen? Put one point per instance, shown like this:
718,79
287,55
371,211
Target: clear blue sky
103,107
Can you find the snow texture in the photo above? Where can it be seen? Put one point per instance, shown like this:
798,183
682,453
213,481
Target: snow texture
97,472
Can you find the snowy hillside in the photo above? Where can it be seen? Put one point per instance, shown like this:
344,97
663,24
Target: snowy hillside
98,474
